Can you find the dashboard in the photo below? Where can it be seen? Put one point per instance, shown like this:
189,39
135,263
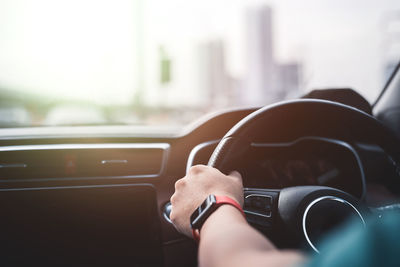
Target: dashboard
305,161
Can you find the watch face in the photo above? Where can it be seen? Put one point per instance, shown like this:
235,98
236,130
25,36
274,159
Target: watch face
202,212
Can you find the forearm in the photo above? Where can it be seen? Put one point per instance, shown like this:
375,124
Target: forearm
228,240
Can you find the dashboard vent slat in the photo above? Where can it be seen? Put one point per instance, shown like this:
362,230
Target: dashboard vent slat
37,162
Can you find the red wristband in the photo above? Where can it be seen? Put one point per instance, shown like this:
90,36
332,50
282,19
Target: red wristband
227,200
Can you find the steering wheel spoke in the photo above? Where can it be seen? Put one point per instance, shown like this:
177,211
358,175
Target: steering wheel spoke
260,206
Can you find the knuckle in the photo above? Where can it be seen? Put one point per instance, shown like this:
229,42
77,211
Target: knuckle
196,169
173,199
180,183
172,216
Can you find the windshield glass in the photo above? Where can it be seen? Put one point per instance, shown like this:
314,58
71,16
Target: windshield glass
157,62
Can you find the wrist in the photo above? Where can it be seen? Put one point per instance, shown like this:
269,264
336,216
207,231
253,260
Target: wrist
211,205
223,216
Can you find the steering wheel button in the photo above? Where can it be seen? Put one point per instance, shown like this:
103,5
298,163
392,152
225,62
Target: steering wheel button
247,202
259,204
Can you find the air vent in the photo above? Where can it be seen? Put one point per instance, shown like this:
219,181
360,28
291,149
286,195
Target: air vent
82,160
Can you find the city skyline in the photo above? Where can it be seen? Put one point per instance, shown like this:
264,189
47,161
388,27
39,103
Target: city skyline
44,56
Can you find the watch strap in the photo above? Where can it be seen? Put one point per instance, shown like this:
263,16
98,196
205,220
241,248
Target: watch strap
227,200
220,200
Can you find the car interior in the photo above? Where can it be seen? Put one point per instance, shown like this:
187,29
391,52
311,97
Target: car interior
105,105
102,198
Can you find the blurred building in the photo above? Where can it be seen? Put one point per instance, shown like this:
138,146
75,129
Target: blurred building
266,80
215,83
390,42
288,80
259,87
212,86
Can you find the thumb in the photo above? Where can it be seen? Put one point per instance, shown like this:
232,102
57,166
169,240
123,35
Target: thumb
235,174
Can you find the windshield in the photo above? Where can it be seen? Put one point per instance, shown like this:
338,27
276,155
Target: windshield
157,62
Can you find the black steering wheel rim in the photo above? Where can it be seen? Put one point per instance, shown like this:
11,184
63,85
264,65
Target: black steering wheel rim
310,117
290,120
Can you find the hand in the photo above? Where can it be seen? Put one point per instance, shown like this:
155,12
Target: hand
192,190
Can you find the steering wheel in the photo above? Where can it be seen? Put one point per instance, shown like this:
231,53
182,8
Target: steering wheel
301,214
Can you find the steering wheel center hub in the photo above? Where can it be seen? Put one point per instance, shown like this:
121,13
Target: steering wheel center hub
326,213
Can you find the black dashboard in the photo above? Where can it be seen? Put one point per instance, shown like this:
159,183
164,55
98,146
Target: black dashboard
305,161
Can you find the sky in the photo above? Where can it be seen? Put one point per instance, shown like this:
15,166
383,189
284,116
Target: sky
104,50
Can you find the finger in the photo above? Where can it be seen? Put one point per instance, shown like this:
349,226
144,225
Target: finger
180,183
236,174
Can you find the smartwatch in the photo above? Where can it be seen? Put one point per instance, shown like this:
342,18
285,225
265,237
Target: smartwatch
210,204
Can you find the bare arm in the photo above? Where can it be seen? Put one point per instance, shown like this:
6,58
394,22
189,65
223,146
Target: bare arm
226,239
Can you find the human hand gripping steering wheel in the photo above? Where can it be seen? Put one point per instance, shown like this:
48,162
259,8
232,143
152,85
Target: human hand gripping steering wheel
191,190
